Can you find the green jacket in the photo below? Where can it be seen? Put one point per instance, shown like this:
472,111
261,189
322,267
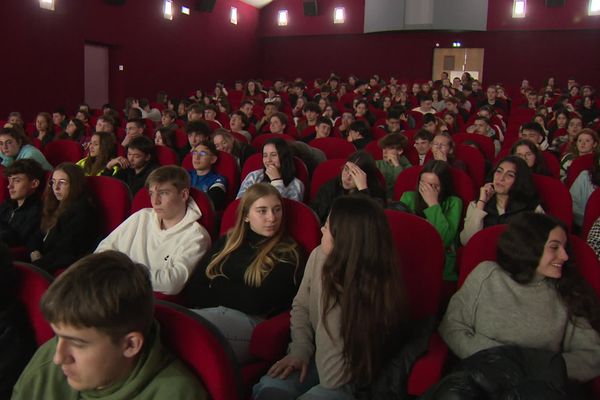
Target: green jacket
445,217
157,375
390,173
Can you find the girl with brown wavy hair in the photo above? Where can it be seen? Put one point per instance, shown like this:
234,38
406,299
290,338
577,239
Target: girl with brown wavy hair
347,311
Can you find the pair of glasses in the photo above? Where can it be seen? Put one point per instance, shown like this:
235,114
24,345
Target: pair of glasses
58,182
200,153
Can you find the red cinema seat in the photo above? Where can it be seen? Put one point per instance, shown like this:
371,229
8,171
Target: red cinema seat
325,172
260,140
486,143
555,198
579,164
200,345
32,284
59,151
424,288
475,164
166,156
333,147
113,199
225,166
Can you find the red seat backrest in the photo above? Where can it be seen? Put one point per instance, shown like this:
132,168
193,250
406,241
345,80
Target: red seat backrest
579,164
423,284
333,147
166,156
32,283
475,164
325,172
113,199
59,151
374,150
201,346
302,223
554,198
486,143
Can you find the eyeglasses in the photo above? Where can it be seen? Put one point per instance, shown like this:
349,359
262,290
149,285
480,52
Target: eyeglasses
200,153
58,183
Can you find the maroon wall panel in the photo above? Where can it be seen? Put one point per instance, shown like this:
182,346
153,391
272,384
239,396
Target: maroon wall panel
46,50
509,56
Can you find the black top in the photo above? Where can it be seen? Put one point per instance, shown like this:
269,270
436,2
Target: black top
75,235
333,189
18,225
274,295
133,180
514,208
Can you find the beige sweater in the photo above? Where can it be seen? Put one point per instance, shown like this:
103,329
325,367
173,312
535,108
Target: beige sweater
309,337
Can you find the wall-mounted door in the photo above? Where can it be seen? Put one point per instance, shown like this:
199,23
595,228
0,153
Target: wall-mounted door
455,61
96,75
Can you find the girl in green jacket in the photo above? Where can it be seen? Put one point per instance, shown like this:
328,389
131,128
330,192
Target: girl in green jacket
433,200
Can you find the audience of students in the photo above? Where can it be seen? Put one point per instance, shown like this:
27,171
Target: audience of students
139,163
14,145
101,151
532,155
394,162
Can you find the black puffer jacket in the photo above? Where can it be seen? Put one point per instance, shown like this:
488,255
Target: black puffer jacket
506,373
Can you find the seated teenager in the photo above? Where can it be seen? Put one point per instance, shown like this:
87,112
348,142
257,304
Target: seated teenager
574,126
204,178
197,132
323,129
585,142
311,112
582,188
44,129
510,193
70,225
532,155
166,137
140,162
134,128
167,238
359,134
74,130
278,123
107,343
20,215
168,118
394,162
279,171
359,175
423,143
348,315
252,273
534,132
531,297
434,200
224,141
443,147
239,123
17,343
101,151
394,119
14,145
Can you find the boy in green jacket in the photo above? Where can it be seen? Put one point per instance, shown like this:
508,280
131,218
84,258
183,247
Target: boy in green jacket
107,343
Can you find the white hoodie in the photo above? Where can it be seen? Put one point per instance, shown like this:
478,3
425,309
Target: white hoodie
170,254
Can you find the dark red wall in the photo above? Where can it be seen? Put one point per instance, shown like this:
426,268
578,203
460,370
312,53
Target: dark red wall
509,56
574,15
548,42
45,66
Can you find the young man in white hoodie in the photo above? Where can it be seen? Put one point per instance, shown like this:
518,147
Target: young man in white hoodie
167,238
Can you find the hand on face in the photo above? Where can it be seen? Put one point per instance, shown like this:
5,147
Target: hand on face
485,194
272,172
429,193
358,176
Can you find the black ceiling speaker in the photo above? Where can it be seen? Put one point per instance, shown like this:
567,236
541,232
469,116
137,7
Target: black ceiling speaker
310,8
116,2
205,5
555,3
